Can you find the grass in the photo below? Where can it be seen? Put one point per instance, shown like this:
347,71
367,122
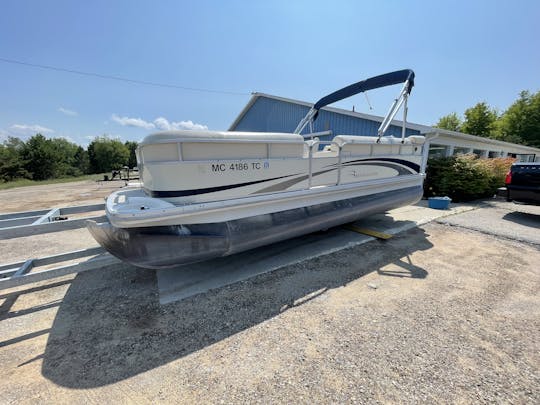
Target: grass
27,182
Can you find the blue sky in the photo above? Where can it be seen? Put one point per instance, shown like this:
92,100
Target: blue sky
462,52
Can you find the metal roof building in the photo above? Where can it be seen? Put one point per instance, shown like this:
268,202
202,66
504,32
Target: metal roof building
268,113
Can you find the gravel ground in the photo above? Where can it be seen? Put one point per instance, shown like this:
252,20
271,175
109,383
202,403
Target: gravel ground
443,313
436,314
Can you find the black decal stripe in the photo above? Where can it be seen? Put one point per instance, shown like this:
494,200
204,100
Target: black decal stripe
281,186
406,163
400,169
185,193
291,182
288,183
411,165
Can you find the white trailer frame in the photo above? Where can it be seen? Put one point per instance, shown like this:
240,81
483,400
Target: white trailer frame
19,224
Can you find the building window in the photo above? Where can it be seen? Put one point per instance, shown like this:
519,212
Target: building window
458,150
436,151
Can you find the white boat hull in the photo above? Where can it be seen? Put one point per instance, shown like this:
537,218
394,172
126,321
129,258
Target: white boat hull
157,212
165,246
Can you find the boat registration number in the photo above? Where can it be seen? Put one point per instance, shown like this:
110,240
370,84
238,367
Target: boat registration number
242,166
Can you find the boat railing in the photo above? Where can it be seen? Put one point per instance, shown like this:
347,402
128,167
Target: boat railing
313,146
315,143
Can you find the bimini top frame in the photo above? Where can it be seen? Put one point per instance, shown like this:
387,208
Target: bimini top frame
405,76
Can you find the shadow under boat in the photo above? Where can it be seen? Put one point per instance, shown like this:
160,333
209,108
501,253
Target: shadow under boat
110,325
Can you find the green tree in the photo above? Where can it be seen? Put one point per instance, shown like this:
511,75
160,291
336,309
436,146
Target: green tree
132,146
65,152
480,120
40,158
11,161
107,154
451,122
521,121
82,162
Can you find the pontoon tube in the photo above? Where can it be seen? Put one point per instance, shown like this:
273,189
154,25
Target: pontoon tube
171,246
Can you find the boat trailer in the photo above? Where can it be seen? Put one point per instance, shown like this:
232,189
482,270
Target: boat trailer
19,224
28,223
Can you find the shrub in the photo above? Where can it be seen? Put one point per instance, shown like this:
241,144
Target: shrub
465,177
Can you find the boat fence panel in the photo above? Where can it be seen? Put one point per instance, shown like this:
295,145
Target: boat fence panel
161,152
229,150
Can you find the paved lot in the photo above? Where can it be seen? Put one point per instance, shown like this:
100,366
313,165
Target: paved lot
440,313
513,221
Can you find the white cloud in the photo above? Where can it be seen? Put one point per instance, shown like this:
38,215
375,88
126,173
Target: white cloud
189,125
160,123
132,122
65,111
24,129
164,125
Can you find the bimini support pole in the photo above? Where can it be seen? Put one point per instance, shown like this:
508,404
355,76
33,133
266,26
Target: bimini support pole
394,108
403,127
308,119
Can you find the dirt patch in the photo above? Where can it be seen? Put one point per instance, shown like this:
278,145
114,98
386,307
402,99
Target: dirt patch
56,195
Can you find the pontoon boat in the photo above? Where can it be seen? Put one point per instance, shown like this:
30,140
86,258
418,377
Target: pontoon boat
206,194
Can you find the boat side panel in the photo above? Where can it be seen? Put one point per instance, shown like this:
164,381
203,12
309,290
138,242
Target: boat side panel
232,179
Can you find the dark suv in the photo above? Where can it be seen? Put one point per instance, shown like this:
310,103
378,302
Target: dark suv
523,183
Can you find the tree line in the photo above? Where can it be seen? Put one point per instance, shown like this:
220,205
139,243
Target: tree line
520,123
41,158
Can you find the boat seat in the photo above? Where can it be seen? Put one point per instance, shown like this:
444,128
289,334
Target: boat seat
214,136
355,139
171,146
365,145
